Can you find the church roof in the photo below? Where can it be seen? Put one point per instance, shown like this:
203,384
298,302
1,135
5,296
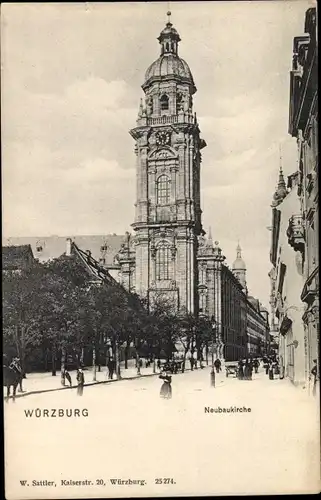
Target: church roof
51,247
169,65
281,191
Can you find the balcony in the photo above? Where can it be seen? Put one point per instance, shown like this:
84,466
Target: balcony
311,287
171,119
295,233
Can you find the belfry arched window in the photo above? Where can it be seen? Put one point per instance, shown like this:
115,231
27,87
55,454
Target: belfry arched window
164,102
163,262
179,102
163,190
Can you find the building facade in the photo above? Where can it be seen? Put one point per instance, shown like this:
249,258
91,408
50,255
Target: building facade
295,223
304,226
241,324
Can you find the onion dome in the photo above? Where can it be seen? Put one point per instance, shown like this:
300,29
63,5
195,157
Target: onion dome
239,264
169,63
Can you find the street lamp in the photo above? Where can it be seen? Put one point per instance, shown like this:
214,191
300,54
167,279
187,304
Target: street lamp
213,322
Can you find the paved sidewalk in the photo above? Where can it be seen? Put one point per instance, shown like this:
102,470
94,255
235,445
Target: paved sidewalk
44,382
37,383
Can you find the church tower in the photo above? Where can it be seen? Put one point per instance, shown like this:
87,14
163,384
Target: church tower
168,213
239,267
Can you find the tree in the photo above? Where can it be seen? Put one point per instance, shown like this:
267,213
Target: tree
21,314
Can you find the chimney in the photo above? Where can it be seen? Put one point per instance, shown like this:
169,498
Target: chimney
68,247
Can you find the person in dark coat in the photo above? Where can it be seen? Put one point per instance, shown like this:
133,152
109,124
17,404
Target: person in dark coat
166,389
80,382
240,371
250,370
16,366
68,377
256,365
212,377
271,369
158,364
246,370
217,364
111,368
314,373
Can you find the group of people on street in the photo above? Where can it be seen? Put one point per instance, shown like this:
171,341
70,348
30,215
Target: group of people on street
245,368
272,367
80,377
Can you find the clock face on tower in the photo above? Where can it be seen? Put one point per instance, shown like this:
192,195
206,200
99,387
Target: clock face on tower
163,138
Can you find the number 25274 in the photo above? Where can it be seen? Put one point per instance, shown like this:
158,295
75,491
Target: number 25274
164,480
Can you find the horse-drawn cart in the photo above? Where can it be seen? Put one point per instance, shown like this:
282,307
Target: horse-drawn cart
231,370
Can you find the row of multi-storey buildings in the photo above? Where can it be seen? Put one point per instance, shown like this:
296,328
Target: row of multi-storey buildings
168,255
295,224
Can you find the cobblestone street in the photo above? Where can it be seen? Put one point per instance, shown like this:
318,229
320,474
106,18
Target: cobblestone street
270,449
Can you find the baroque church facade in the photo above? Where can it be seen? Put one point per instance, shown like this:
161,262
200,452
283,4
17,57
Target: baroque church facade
168,147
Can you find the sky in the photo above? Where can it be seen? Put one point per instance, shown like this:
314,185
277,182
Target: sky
71,85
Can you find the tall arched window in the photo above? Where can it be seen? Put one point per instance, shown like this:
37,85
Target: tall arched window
179,102
162,262
163,190
164,102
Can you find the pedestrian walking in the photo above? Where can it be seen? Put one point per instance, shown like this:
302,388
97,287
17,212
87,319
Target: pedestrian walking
240,371
217,364
80,381
213,377
271,370
68,377
166,389
246,370
250,370
16,366
314,373
111,368
256,365
159,364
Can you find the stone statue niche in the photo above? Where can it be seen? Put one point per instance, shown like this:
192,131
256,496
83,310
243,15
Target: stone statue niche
149,106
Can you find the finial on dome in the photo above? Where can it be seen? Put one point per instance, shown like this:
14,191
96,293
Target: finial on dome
238,250
169,16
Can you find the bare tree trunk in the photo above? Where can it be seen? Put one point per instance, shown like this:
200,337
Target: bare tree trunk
53,361
126,354
138,362
94,364
117,359
63,366
154,363
184,361
82,356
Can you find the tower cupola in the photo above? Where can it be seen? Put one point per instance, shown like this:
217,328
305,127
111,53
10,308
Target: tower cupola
239,267
169,38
